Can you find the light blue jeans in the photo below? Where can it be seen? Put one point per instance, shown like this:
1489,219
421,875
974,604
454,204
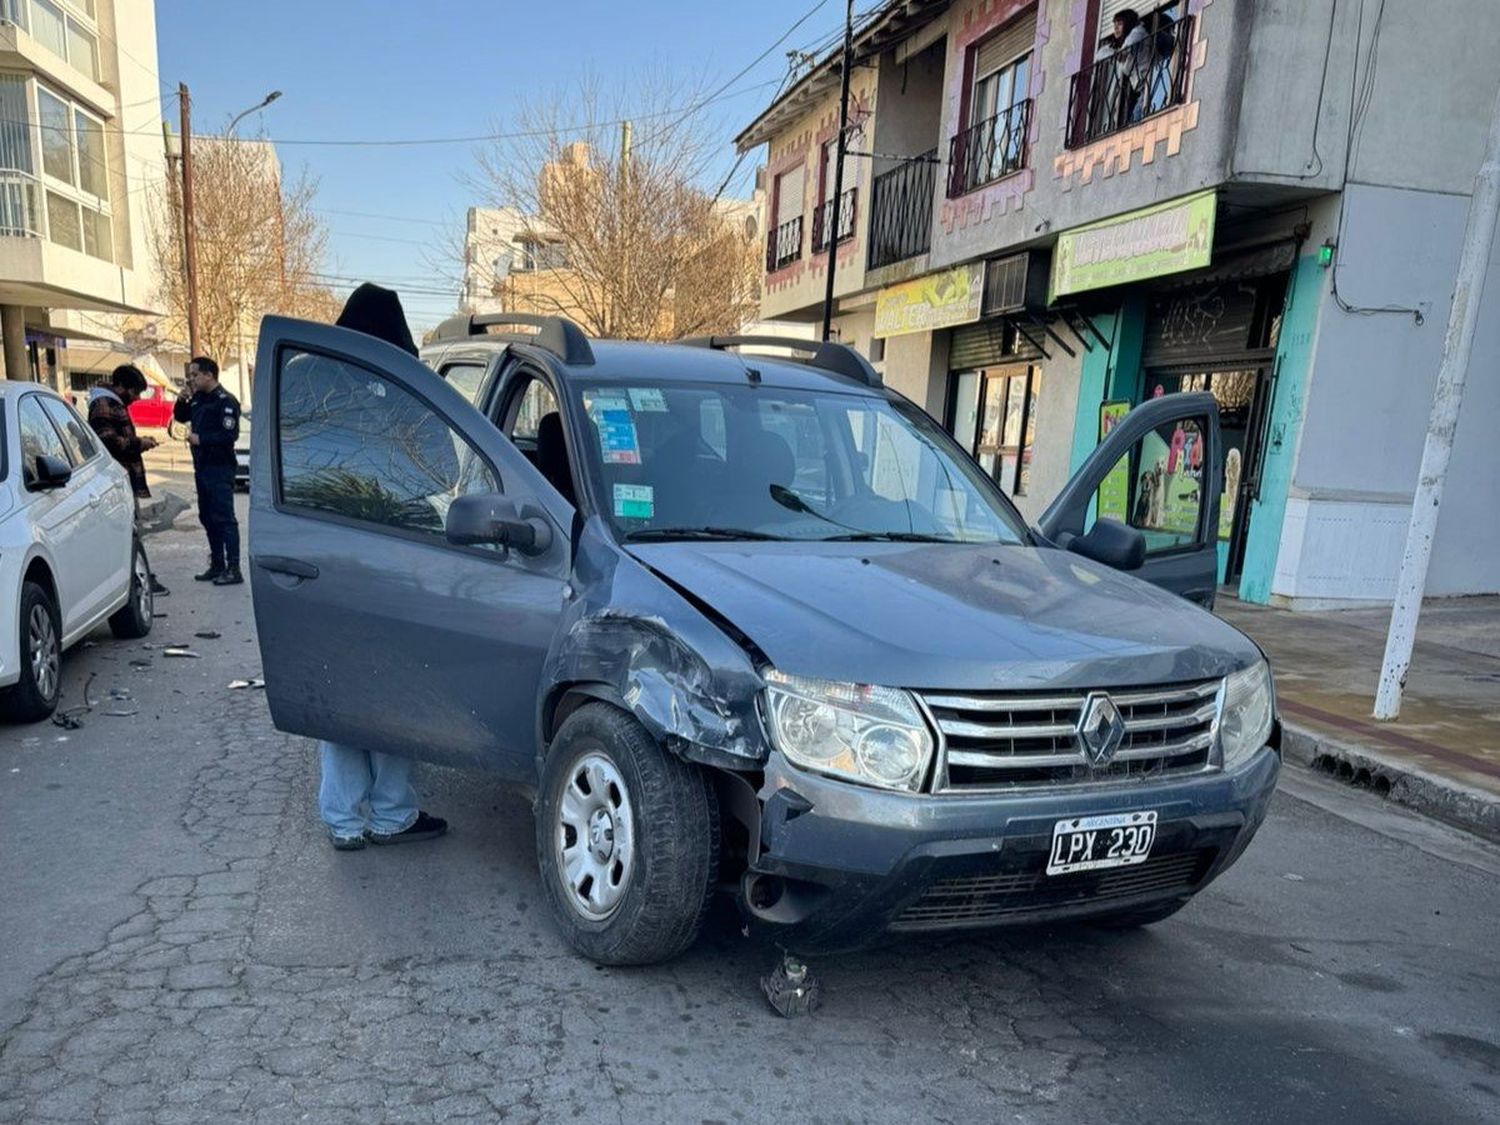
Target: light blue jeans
364,791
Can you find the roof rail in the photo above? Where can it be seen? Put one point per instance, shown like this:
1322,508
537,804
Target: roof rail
556,334
840,359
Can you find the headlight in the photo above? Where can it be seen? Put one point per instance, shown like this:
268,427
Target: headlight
874,735
1249,706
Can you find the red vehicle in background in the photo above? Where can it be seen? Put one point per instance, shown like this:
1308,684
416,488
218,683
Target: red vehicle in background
153,410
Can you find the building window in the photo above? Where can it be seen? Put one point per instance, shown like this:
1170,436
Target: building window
784,239
543,254
65,29
994,417
75,173
998,118
1140,72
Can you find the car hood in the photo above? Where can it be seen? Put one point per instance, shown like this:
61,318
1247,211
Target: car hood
951,616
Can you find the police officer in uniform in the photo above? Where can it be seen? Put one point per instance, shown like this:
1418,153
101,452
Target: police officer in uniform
214,416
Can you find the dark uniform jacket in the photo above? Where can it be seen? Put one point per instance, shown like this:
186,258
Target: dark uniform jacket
109,418
215,418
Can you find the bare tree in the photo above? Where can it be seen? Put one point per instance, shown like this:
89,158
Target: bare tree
260,246
636,248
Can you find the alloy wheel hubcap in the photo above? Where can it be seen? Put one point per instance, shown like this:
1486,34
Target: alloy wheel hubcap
141,577
594,843
45,659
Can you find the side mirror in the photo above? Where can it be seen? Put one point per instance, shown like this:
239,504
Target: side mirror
51,472
493,519
1111,543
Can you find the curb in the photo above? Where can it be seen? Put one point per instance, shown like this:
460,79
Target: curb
1463,806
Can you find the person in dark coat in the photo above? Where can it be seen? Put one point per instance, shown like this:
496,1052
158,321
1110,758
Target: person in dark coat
364,796
214,415
109,417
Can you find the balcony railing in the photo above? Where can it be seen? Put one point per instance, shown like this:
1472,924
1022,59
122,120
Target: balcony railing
986,151
784,245
901,210
823,219
1131,84
20,204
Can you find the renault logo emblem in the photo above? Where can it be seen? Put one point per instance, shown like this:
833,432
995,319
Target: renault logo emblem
1100,729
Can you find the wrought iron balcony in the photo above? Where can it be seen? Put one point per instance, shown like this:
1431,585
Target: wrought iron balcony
901,210
823,219
784,245
1131,84
990,149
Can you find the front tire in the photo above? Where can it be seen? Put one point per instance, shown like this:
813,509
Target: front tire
627,840
34,696
133,620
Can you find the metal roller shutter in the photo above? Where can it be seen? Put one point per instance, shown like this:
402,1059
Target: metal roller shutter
979,345
1006,45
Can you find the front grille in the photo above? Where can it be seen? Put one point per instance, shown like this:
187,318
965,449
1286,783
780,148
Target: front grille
1003,740
975,900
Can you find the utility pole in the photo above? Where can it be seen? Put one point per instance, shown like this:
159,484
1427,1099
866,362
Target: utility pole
624,215
189,233
840,144
1458,343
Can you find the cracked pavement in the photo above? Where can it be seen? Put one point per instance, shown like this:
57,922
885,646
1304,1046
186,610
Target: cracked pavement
181,945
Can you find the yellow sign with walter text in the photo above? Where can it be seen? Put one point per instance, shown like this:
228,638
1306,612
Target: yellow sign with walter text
1168,238
939,300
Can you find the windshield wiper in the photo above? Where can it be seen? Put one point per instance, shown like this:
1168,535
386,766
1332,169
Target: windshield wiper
890,537
645,534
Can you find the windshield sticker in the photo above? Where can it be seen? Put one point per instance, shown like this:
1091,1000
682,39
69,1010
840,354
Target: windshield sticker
647,400
635,501
617,437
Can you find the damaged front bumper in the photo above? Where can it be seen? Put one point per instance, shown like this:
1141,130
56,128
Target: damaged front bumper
840,865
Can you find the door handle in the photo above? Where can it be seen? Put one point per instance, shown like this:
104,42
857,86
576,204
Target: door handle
95,500
280,564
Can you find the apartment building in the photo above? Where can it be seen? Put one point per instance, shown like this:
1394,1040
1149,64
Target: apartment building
1043,224
80,151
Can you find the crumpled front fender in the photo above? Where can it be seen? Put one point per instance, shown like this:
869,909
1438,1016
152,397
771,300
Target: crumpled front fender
629,637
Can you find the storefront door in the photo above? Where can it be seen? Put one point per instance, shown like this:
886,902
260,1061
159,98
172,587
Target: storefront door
993,416
1241,393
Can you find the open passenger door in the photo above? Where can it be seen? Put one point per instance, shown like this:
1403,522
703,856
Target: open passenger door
1159,473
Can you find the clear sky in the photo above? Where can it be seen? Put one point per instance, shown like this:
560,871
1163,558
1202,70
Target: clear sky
372,70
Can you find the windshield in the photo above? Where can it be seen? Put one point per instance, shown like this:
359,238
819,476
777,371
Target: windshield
728,461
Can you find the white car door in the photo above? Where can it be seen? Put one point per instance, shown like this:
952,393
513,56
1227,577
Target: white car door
58,516
107,535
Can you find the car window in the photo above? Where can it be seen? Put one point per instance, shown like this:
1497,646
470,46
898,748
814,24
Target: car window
465,378
536,403
1157,486
39,438
783,463
358,445
75,431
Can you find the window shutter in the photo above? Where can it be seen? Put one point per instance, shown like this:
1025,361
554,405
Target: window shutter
789,196
1008,44
1107,10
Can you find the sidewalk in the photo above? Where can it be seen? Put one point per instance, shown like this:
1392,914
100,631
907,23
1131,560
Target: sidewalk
1443,755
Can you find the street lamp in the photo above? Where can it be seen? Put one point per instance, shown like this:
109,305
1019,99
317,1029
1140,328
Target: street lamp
269,98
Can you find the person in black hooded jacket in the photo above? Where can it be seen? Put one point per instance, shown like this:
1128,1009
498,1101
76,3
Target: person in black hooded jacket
365,796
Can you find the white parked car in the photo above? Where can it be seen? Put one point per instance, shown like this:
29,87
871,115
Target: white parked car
69,555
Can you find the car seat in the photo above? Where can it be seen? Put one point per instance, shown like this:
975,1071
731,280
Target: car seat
552,456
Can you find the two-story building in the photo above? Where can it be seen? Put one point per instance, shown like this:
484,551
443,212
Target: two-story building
80,153
1053,209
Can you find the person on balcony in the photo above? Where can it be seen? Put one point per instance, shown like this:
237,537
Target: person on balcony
1129,47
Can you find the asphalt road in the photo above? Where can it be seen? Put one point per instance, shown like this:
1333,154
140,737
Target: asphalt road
178,943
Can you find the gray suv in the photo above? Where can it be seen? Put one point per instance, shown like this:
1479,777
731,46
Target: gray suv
755,622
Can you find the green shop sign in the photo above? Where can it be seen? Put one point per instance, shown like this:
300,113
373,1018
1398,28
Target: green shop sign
1168,238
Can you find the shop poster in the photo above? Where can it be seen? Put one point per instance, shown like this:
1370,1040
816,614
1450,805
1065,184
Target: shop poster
1114,490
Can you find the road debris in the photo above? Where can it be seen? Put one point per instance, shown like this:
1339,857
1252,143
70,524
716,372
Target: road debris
121,714
251,684
185,653
69,719
208,635
791,988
